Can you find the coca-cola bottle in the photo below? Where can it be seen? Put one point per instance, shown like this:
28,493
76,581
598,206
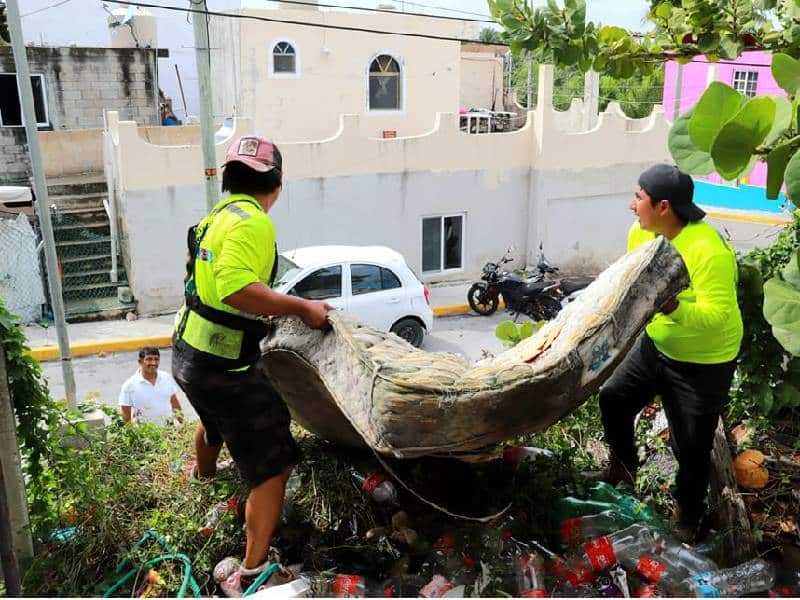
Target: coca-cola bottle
751,577
496,540
579,530
216,513
619,547
377,486
530,572
403,586
443,559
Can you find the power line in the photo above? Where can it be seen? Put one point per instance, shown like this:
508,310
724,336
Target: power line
391,11
306,23
44,8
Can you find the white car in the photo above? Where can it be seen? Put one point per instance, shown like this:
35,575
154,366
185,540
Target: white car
373,283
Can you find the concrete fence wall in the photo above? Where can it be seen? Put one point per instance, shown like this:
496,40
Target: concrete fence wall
568,191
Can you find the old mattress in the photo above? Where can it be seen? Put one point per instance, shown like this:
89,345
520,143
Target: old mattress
358,386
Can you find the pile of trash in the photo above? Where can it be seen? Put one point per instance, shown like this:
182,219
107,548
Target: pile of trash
598,542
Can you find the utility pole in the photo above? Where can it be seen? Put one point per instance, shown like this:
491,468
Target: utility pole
203,59
42,204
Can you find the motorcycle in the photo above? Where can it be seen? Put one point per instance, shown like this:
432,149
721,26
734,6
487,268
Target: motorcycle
569,288
533,296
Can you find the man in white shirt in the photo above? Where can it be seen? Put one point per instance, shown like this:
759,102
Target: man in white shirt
150,395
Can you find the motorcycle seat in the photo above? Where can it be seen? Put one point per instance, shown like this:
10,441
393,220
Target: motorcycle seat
534,287
572,284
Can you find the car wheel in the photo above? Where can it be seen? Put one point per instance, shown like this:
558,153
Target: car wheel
410,330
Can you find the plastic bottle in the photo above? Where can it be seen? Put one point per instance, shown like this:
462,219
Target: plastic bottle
579,530
497,540
349,586
569,507
751,577
216,513
530,573
437,587
621,546
402,586
377,486
444,559
630,506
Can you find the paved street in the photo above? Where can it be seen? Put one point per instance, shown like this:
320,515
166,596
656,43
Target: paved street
101,376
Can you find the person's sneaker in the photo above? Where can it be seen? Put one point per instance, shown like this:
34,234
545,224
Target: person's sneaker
234,579
613,473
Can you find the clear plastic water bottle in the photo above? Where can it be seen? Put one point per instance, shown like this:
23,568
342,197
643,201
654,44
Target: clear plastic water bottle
216,513
579,530
621,546
377,486
751,577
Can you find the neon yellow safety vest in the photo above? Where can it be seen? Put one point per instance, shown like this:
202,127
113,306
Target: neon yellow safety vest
706,327
236,249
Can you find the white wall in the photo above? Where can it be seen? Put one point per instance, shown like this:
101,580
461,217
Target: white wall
538,184
568,191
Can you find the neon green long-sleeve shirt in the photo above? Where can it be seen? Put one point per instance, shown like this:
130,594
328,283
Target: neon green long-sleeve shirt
706,327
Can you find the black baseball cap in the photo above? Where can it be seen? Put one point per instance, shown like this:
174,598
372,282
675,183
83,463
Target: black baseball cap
667,182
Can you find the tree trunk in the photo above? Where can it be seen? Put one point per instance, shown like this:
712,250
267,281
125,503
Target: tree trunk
732,520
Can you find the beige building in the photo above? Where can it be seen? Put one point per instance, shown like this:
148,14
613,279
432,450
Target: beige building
295,81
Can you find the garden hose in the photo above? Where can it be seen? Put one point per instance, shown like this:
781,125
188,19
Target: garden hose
187,582
262,577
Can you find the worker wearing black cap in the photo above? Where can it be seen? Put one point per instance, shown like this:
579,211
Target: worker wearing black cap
687,354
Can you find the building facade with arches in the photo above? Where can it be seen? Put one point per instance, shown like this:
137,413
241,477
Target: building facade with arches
295,80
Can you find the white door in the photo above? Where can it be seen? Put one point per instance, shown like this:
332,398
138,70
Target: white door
376,295
322,284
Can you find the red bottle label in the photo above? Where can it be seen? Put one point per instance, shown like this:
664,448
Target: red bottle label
650,568
646,591
372,482
571,531
348,586
538,593
601,553
445,543
580,572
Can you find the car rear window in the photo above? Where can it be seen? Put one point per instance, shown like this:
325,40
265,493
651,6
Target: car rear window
365,279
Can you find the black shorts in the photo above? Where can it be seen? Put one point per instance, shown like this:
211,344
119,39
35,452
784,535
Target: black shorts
241,409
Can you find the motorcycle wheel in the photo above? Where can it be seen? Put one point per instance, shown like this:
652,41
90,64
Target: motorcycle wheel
481,301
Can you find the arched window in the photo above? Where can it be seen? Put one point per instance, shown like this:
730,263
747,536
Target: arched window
384,83
284,58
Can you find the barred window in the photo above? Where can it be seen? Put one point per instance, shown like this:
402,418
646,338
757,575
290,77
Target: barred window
384,83
284,58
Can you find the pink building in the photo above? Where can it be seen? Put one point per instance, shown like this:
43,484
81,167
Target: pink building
750,74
